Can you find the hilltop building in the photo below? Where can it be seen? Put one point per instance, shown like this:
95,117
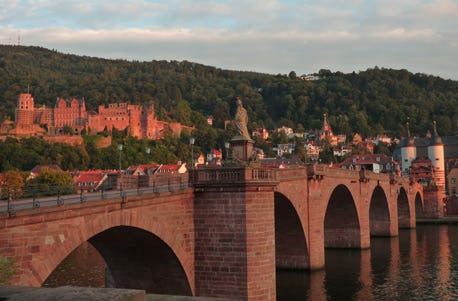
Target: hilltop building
72,116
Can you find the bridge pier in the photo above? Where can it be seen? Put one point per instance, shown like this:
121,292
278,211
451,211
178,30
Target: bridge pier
235,235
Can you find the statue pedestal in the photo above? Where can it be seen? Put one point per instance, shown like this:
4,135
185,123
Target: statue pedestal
242,148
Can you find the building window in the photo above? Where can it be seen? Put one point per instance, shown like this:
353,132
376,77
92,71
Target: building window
453,180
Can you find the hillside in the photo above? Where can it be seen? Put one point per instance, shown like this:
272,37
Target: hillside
369,102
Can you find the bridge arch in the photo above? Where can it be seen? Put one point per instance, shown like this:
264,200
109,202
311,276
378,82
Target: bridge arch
403,209
58,231
379,213
341,222
138,259
291,249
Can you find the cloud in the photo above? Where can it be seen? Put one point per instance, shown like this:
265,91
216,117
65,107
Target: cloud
273,36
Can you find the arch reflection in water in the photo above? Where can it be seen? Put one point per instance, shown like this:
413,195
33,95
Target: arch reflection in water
126,257
420,264
83,267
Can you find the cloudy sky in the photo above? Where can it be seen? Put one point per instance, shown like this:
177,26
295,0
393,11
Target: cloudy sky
273,36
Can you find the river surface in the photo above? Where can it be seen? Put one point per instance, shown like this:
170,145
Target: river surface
420,264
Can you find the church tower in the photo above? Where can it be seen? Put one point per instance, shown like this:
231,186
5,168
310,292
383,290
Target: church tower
326,132
436,155
408,152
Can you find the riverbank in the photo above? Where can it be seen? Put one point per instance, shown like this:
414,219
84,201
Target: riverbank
446,220
21,293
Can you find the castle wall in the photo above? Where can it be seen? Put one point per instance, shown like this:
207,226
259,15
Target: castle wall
139,120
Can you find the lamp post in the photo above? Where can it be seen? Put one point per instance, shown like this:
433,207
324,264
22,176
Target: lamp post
148,151
120,146
227,145
191,142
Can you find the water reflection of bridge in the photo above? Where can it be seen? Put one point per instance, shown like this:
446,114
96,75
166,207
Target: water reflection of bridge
224,236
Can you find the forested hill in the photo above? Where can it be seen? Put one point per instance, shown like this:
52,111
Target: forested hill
369,102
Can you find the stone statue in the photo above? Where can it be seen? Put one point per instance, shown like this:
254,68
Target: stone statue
241,120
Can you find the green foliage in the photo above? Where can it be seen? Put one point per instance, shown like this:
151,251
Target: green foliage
52,182
327,153
7,270
370,102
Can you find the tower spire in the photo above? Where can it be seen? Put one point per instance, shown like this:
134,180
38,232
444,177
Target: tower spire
408,128
435,128
325,122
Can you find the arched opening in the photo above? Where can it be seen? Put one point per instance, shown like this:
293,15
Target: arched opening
403,209
341,223
419,213
379,215
291,250
137,259
82,267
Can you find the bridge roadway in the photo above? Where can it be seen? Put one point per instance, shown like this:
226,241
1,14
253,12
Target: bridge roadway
223,236
165,183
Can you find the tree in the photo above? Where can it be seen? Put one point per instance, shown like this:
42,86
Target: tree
13,184
382,148
67,130
300,152
326,153
52,182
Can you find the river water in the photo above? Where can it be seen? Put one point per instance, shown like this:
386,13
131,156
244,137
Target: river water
419,264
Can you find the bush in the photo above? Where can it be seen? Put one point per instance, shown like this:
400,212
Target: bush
7,270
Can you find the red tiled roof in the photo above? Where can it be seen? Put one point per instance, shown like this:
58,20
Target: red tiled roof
90,176
170,167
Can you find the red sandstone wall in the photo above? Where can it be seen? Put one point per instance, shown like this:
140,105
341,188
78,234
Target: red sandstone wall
40,239
235,243
72,140
433,203
452,206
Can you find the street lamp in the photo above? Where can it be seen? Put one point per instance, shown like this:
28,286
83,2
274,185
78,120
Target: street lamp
227,145
191,142
120,146
148,151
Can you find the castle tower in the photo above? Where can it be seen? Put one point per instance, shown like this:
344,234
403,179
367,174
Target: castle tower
24,111
436,155
148,122
408,153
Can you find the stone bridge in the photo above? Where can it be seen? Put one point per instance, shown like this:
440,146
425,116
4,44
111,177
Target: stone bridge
223,236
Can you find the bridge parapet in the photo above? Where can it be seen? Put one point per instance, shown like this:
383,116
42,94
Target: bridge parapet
291,174
321,170
231,175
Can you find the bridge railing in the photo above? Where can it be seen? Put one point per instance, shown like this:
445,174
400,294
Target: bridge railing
231,175
127,185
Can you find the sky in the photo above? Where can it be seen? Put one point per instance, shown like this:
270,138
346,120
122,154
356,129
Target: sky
270,36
